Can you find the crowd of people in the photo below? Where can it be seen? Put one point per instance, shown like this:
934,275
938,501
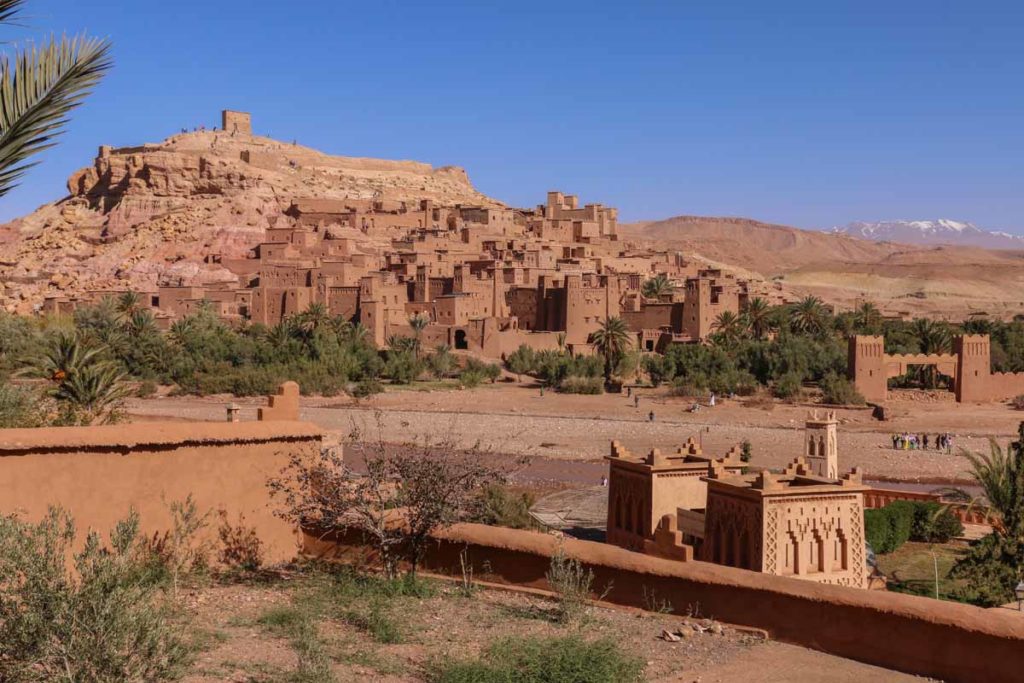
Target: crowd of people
911,442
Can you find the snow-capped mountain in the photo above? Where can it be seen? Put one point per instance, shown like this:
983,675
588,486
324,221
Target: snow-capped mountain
941,231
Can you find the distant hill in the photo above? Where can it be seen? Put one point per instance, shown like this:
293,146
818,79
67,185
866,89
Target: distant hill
941,231
939,281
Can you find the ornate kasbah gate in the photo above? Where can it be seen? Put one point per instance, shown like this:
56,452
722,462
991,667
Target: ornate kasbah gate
970,366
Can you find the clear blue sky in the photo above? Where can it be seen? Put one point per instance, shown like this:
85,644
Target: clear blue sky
807,113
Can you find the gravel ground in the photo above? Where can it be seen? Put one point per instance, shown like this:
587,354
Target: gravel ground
239,649
513,419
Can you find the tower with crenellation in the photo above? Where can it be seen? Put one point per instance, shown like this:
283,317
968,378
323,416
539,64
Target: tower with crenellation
821,447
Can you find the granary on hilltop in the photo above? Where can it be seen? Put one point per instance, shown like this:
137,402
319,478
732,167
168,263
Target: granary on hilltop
804,522
487,278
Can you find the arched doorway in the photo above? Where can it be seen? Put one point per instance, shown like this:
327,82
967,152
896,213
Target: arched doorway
460,340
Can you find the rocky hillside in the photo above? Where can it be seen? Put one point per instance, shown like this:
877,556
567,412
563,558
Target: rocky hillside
156,214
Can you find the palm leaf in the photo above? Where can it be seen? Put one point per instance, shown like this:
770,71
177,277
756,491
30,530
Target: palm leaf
9,9
38,89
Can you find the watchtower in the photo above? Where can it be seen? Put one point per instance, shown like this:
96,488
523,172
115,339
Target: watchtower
866,367
236,122
973,367
821,447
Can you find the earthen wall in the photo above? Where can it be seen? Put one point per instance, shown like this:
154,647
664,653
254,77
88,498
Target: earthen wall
950,641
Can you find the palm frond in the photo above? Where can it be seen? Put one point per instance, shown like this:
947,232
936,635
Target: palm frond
38,89
9,9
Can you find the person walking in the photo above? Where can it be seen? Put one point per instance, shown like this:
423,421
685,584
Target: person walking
636,401
924,441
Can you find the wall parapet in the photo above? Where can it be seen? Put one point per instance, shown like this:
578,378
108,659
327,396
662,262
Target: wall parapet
150,435
951,641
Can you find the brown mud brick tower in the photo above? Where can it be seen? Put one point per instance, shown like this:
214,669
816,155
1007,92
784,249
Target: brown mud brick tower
236,122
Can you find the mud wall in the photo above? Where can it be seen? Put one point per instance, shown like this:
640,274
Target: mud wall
950,641
100,473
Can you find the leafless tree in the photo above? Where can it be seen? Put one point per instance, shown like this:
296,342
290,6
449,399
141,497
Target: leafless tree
409,491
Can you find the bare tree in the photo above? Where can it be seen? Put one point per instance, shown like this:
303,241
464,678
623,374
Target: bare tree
408,492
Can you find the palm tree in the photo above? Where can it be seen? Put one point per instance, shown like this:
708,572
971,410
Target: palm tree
314,317
94,389
758,317
612,340
657,286
83,380
63,357
933,337
357,333
418,322
728,325
39,87
808,316
867,317
128,303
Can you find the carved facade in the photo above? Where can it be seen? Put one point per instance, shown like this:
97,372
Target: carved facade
802,522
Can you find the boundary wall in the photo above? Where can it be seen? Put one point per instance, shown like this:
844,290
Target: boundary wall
99,473
967,514
950,641
970,366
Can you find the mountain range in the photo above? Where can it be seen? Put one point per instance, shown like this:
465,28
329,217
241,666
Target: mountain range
940,231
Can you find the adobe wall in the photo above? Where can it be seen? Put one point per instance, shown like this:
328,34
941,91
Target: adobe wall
970,366
946,640
99,473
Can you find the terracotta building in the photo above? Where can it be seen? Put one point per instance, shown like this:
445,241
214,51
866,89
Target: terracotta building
799,522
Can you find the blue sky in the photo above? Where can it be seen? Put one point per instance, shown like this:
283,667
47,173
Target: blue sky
807,113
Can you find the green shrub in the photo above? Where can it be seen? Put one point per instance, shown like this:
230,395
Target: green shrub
367,387
581,385
441,362
934,523
658,368
20,407
901,521
471,379
888,528
103,620
878,530
572,583
402,367
497,506
487,371
789,387
145,389
545,660
988,572
840,391
522,361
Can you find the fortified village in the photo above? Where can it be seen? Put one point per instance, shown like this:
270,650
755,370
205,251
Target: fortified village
487,277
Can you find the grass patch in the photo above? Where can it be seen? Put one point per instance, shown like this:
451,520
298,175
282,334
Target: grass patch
376,621
911,569
299,626
426,385
372,659
544,660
